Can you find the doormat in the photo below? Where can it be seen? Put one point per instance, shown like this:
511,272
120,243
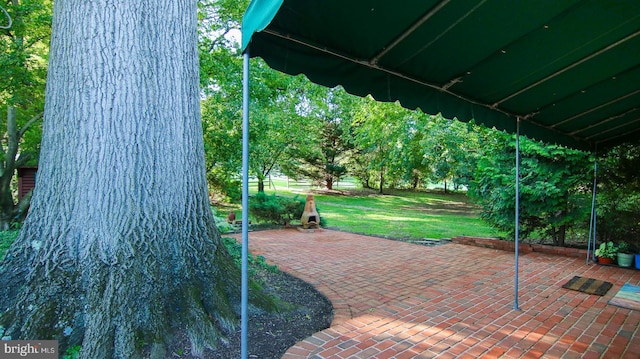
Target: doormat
627,297
588,285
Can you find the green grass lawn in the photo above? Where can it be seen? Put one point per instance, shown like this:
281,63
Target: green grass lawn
397,214
408,215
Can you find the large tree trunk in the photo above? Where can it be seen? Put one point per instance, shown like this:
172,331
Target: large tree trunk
120,245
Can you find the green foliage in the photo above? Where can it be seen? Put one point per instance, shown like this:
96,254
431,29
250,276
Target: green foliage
399,148
554,185
255,262
24,50
276,131
6,239
223,132
451,150
275,209
381,132
221,223
618,201
279,117
72,353
624,247
221,83
607,250
323,155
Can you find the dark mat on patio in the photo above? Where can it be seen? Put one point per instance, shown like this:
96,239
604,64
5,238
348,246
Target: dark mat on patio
627,297
588,285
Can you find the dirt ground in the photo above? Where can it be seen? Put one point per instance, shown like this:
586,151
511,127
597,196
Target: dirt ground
271,334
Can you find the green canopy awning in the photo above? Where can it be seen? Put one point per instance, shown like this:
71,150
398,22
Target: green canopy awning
569,70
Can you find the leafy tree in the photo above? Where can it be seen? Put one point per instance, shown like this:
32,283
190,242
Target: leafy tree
553,185
279,128
415,171
223,145
385,135
23,59
120,247
277,124
221,83
322,156
450,150
618,201
222,121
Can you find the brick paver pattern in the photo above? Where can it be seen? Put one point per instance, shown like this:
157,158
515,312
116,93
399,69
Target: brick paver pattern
395,299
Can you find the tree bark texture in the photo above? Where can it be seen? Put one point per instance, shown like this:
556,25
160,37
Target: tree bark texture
120,246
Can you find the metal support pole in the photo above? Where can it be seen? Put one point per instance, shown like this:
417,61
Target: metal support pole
517,234
245,207
592,222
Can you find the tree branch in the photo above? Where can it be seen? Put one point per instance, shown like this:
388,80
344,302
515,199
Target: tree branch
9,17
26,126
20,210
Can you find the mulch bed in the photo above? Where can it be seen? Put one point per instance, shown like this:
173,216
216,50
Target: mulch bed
271,334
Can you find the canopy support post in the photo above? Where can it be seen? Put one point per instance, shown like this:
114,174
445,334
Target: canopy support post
592,222
244,303
517,234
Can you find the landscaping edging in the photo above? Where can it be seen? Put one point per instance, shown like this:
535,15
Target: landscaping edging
523,247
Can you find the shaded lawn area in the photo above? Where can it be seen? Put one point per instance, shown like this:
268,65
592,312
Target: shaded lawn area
402,214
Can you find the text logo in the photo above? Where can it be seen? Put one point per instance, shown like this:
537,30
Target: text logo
40,349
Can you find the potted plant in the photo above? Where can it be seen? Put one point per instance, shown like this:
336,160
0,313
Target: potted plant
606,252
625,255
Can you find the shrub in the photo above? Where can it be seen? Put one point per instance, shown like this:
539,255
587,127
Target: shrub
73,352
235,250
221,223
6,239
274,209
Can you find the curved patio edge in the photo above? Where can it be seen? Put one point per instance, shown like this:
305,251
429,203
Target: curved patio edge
400,300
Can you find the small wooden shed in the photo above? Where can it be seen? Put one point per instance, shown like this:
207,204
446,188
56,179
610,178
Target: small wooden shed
26,179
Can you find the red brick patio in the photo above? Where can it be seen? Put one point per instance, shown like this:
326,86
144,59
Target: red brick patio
400,300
